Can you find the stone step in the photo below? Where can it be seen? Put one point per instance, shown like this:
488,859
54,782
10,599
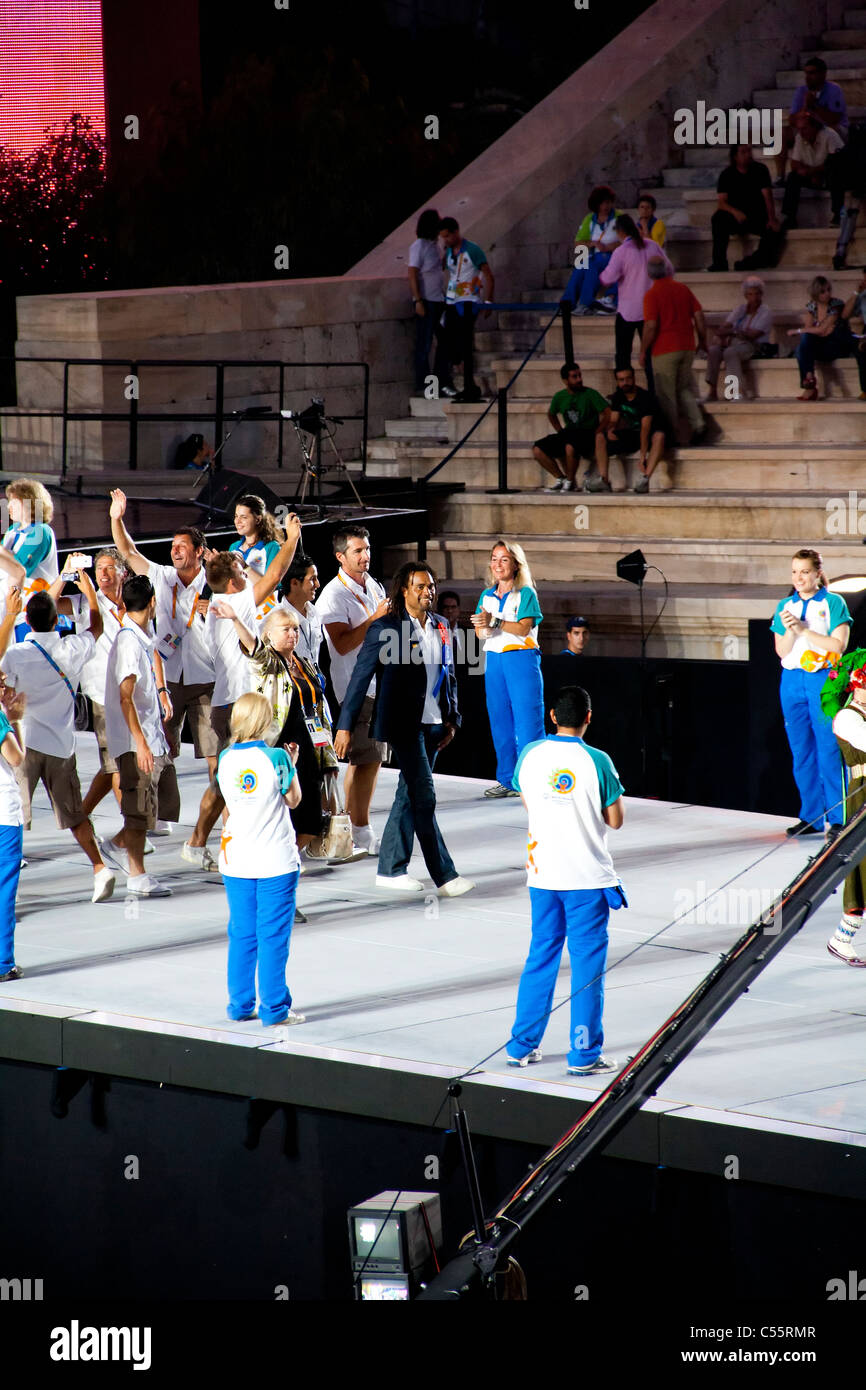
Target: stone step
844,38
422,409
699,156
769,378
572,558
846,57
423,428
671,516
814,210
850,78
782,96
692,176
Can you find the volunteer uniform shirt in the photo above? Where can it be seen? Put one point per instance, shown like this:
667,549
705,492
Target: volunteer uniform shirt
35,548
344,601
824,612
580,409
132,655
233,674
258,840
180,630
113,619
566,785
257,556
463,265
511,607
309,631
10,796
49,719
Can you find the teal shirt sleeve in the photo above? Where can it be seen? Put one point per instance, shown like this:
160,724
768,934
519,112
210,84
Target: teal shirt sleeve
480,605
475,254
282,766
609,785
529,606
838,611
5,726
34,548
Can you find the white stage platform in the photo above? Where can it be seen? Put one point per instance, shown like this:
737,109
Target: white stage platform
402,995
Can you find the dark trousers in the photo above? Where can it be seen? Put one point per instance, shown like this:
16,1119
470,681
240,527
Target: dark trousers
414,810
624,331
425,330
833,178
725,225
459,342
811,349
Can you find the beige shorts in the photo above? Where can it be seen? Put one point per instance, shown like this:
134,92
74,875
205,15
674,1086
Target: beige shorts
59,777
106,762
220,718
145,797
363,749
192,702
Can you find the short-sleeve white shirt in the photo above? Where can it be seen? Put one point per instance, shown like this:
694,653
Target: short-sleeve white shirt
93,671
191,660
233,674
49,720
344,601
132,655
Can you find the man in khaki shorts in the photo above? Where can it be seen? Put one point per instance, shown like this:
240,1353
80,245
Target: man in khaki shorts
47,668
181,640
346,608
137,741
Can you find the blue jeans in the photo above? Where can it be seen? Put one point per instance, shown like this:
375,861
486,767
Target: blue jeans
261,913
515,705
815,752
811,349
11,845
413,811
425,330
579,916
585,282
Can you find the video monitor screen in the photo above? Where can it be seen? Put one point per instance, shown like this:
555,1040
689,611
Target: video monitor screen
387,1247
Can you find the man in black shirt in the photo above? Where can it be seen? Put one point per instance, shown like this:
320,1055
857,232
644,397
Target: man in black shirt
636,427
745,205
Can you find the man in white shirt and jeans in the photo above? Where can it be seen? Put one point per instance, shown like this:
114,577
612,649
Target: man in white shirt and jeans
137,740
47,668
347,606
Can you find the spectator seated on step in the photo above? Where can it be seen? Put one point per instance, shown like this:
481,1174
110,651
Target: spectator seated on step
745,206
745,334
579,416
814,164
636,427
594,244
855,308
815,97
824,335
649,224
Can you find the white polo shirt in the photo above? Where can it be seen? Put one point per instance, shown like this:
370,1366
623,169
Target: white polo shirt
511,607
180,630
132,655
10,796
258,839
49,720
233,673
823,613
309,631
566,784
93,671
344,601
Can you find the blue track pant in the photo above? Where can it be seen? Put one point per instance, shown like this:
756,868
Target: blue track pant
515,705
261,913
578,916
11,845
817,760
584,284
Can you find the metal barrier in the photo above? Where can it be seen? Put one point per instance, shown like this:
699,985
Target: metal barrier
135,417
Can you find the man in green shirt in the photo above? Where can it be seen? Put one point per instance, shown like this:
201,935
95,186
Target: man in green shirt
579,416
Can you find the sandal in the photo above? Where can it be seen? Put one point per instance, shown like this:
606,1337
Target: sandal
810,390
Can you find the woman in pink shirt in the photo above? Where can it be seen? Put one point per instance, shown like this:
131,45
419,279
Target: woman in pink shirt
627,268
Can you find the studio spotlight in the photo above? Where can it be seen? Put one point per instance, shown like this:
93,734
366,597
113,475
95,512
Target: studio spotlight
632,567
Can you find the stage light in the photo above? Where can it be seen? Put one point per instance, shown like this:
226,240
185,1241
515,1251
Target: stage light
848,584
393,1242
632,567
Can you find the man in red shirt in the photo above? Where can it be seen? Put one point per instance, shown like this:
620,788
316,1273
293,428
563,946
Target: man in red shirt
672,317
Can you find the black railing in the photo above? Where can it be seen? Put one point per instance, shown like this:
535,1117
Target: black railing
134,416
561,310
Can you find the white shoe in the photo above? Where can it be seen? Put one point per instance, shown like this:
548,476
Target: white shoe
199,855
844,950
554,487
600,1064
162,827
103,886
144,886
112,854
533,1056
289,1021
399,883
455,887
148,847
364,837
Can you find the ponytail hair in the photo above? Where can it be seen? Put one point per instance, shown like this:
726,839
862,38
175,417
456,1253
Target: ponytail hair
814,557
627,224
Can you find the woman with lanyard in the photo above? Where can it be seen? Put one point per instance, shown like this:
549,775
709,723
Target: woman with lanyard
31,540
811,629
260,538
596,240
507,618
300,714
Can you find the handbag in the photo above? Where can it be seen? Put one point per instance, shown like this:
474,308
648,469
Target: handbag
335,842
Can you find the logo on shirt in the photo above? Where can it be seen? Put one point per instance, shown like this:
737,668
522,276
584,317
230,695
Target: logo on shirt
562,781
247,781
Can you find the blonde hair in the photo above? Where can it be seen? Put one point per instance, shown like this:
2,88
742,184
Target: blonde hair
251,717
29,490
290,618
523,574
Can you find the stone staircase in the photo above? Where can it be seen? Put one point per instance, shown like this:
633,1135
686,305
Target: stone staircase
778,477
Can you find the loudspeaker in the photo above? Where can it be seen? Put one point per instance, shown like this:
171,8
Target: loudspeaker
223,489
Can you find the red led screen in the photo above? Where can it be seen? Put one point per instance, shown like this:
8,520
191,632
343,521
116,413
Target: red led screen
50,66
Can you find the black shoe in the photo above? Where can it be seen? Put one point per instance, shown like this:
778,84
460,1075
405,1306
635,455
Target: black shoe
833,832
744,264
468,398
838,262
803,827
699,437
719,268
13,974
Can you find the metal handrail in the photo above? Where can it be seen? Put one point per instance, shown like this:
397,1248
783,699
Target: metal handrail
135,416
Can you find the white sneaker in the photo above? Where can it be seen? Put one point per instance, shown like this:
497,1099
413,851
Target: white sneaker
112,854
363,836
455,887
554,487
144,886
533,1056
600,1064
399,883
103,886
289,1021
148,847
568,485
199,855
162,827
844,950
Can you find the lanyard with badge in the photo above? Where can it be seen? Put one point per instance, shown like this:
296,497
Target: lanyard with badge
172,640
317,731
362,602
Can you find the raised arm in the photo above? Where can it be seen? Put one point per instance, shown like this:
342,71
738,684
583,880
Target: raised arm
12,567
132,556
264,585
